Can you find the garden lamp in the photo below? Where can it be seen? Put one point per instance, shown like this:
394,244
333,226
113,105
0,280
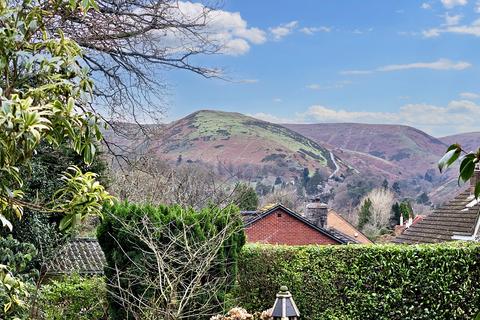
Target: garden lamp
284,307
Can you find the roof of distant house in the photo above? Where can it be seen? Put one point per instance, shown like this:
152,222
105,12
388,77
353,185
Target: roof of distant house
337,223
250,217
80,255
456,220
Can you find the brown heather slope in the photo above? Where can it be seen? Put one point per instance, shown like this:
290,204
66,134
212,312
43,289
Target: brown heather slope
392,150
469,141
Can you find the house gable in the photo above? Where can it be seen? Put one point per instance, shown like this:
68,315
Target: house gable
280,225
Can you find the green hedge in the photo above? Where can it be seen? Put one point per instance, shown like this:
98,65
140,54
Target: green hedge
125,252
365,282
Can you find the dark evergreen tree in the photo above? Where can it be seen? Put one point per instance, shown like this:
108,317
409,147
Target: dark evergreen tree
245,197
313,184
396,187
278,181
395,215
423,198
385,184
365,213
305,176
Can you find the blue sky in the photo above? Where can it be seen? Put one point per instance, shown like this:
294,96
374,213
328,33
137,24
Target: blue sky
407,62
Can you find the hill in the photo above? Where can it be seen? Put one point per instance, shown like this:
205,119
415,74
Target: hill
360,155
469,141
393,150
236,142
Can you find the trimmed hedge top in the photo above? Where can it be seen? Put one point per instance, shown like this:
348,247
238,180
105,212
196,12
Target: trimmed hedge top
365,281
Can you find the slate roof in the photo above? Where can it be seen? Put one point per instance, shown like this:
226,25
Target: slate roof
80,255
458,217
250,217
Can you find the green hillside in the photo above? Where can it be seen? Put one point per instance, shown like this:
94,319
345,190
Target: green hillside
215,136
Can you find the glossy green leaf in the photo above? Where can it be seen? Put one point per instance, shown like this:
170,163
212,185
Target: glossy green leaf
450,157
467,167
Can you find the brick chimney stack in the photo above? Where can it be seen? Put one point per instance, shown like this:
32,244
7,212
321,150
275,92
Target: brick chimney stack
474,179
317,212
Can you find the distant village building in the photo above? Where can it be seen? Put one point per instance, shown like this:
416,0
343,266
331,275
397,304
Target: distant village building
459,219
319,225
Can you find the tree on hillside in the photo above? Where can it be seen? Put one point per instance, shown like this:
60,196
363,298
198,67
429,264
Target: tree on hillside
396,187
364,213
305,176
385,184
245,197
315,182
158,182
379,202
395,215
423,198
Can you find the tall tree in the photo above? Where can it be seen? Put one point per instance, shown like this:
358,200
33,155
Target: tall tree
379,202
129,44
44,98
365,213
245,197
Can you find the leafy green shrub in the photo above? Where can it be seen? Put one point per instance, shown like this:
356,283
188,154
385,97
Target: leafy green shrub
14,259
365,282
169,262
74,297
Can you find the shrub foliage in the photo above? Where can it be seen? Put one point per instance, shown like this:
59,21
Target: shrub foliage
365,282
150,261
74,297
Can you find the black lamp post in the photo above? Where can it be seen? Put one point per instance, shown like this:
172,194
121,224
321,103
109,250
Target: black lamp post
284,307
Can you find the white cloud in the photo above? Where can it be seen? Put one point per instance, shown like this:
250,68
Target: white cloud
359,31
456,116
249,81
278,100
452,20
441,64
426,6
453,3
283,30
228,29
477,7
470,29
313,30
470,95
272,118
335,85
356,72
